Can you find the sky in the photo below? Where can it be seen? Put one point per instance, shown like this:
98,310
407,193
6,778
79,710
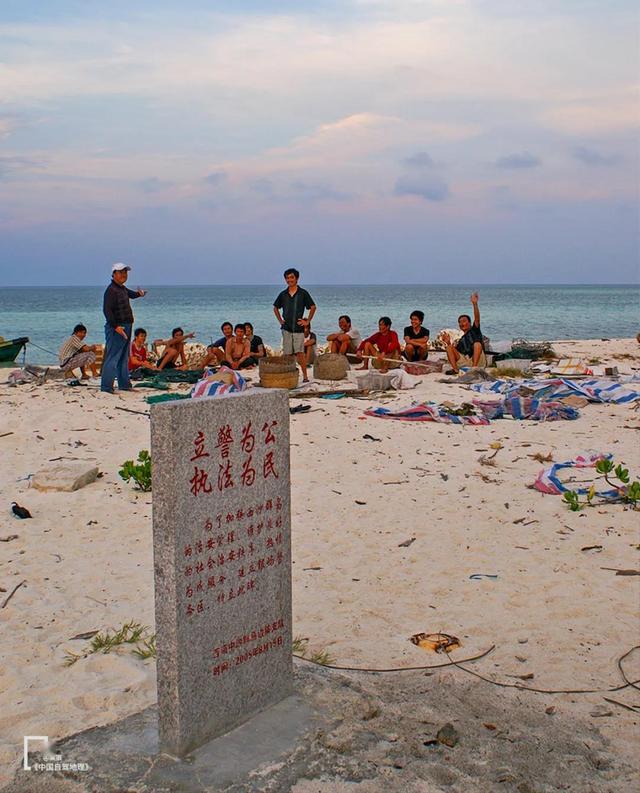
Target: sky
362,141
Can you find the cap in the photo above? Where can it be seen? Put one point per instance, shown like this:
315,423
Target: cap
118,266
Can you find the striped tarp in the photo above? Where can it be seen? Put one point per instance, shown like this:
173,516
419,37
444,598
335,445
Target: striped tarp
595,390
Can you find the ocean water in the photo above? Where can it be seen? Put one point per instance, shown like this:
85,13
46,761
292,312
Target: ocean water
47,315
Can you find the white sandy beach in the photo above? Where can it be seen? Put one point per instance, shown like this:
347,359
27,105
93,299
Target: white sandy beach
552,611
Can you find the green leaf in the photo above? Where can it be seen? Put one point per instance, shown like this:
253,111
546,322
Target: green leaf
622,474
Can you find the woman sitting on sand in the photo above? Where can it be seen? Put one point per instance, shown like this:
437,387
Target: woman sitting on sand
382,346
238,350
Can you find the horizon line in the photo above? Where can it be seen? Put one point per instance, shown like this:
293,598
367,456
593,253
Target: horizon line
469,285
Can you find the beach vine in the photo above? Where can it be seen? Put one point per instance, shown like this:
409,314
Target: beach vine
626,492
140,473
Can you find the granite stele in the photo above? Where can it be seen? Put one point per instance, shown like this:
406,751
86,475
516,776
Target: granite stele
222,558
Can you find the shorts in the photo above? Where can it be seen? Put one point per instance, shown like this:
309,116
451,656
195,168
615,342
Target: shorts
465,360
292,343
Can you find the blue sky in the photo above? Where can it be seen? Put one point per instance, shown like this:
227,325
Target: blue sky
416,141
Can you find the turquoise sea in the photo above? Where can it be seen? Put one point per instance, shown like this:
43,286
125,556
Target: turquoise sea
47,314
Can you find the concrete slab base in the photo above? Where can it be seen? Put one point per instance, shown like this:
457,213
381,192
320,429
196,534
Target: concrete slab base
342,733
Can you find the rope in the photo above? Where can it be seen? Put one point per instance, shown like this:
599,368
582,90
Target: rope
458,664
42,348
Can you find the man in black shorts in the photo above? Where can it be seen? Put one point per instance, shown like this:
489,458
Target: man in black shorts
416,338
216,352
469,351
257,345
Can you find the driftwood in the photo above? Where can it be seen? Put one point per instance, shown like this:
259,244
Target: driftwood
128,410
12,593
345,391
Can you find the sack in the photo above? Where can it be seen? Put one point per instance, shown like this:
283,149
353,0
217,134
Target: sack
224,381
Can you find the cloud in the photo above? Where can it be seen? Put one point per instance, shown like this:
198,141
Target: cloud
430,186
419,160
263,187
12,167
317,192
595,158
516,161
153,185
423,179
215,178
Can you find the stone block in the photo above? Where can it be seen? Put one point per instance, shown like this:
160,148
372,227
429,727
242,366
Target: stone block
222,559
65,476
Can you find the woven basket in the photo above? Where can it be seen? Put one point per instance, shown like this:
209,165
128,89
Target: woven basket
387,364
423,367
278,372
330,366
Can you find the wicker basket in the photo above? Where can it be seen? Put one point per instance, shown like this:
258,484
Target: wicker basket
423,367
386,364
278,371
330,366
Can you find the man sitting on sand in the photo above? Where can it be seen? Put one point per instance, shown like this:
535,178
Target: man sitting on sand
416,338
173,355
238,353
255,342
348,338
216,352
138,352
382,346
75,354
469,351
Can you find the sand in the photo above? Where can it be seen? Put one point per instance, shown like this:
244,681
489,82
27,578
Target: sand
552,611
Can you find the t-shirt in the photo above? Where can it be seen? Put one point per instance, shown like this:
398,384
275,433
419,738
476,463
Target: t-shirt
310,337
354,335
70,347
256,343
140,355
465,345
385,342
409,332
292,307
222,342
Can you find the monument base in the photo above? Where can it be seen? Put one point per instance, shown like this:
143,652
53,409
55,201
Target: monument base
368,732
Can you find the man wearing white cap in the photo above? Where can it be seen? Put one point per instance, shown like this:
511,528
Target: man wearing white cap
117,330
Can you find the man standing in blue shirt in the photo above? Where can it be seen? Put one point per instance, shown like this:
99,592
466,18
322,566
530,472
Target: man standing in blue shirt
293,301
117,330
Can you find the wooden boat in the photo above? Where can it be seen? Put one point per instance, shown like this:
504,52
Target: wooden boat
9,349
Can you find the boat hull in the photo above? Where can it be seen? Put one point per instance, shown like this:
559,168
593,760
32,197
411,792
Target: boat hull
9,349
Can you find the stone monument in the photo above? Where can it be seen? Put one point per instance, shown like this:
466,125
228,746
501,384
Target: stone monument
222,562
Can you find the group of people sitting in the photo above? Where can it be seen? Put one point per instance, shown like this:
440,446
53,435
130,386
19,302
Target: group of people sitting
384,346
240,348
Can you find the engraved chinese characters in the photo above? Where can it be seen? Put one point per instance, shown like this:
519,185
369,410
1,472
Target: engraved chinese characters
222,550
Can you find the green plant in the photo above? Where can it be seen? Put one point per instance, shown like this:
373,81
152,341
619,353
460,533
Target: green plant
147,649
141,473
299,645
322,657
627,492
130,633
